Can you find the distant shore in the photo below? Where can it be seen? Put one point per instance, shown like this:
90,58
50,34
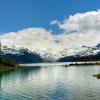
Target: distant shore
83,63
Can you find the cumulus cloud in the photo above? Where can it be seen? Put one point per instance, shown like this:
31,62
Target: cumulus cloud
32,38
79,29
82,28
82,22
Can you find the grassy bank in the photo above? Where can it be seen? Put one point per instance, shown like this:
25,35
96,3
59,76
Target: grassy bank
7,64
7,68
97,76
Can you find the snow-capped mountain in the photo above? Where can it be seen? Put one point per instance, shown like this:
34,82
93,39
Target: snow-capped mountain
14,50
21,55
87,51
45,55
48,55
83,53
24,55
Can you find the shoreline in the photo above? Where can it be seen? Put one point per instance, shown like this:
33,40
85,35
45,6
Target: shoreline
8,68
83,64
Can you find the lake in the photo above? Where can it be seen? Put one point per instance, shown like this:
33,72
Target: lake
51,83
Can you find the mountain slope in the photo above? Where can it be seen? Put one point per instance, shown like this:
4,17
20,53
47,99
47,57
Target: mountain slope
21,55
83,54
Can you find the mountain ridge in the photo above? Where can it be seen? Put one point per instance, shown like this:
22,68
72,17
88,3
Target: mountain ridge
24,55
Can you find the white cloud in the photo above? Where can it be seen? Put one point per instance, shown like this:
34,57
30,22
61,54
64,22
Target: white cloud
54,22
79,29
32,38
82,22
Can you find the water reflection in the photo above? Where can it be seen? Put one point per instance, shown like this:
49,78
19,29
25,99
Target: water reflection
50,83
29,70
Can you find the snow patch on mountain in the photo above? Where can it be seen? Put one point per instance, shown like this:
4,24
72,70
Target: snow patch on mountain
51,55
13,50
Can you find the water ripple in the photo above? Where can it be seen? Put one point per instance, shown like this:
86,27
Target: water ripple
51,83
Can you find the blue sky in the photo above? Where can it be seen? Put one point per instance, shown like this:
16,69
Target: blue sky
19,14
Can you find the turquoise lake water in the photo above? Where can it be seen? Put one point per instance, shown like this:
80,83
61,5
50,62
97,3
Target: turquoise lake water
51,83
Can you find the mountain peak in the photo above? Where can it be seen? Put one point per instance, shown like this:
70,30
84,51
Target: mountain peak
98,45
